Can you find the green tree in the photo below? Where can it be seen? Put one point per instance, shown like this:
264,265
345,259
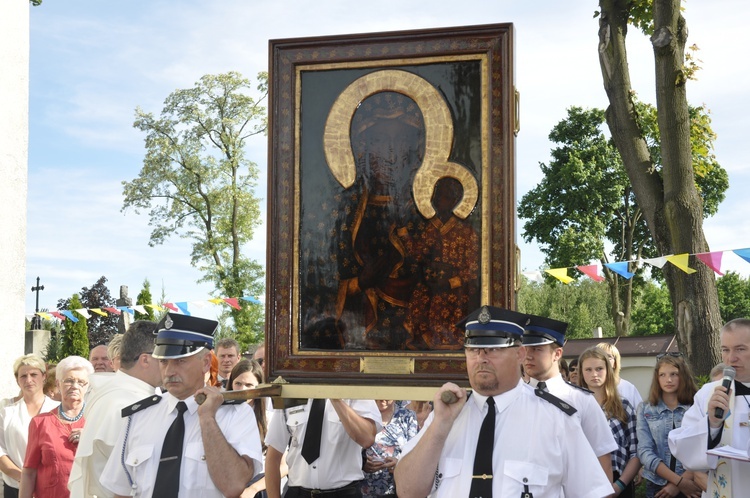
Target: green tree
197,183
75,339
582,304
734,296
144,297
666,193
100,328
652,310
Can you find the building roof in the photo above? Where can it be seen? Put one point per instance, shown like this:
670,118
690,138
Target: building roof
649,345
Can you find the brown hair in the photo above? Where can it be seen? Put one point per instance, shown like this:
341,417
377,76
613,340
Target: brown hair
687,388
612,402
259,406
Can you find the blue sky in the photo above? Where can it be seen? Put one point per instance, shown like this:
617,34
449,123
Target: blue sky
93,62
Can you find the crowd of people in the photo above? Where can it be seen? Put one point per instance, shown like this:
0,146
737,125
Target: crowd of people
145,416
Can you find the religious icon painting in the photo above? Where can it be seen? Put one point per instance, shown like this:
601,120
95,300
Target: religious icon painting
391,200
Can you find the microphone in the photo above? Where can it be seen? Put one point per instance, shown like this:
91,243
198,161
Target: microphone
726,383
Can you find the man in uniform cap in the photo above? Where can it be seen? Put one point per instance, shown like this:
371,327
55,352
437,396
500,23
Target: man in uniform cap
173,447
481,443
544,339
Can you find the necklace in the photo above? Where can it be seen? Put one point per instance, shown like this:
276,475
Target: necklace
71,419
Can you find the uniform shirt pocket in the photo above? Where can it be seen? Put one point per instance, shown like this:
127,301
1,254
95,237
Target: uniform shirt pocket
517,475
447,471
195,472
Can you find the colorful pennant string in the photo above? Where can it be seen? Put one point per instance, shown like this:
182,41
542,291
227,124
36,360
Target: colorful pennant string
178,307
711,259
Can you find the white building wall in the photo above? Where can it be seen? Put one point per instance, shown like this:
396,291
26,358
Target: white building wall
14,147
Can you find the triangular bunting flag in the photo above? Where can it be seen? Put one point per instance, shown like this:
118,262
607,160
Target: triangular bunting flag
46,316
681,262
712,260
216,301
743,253
170,306
98,311
592,271
127,309
154,307
84,313
534,276
114,311
657,262
198,304
57,315
183,307
621,268
69,314
251,299
233,302
140,308
561,274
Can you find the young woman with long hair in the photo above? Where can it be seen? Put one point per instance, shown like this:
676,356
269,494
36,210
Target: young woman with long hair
671,394
596,374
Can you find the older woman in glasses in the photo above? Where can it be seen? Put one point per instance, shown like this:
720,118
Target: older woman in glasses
670,396
53,436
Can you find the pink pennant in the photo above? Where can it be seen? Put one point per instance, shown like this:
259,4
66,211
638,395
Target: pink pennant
233,302
712,260
171,306
57,315
592,271
114,311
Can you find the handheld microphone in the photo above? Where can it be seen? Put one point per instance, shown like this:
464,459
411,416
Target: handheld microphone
726,383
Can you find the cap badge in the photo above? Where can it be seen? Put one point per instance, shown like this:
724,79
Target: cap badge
168,323
484,315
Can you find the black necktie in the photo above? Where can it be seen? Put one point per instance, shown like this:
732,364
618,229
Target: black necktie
168,476
481,481
542,386
311,445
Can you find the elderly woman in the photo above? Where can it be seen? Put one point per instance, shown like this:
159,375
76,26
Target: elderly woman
53,436
29,371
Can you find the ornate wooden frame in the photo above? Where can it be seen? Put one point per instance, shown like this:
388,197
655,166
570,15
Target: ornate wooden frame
297,66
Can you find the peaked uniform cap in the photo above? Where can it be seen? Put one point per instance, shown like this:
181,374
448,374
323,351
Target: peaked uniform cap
539,330
490,326
179,336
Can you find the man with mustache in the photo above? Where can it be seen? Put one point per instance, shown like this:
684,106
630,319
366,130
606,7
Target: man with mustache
173,447
504,439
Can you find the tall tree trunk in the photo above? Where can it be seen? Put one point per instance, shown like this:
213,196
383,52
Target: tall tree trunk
670,203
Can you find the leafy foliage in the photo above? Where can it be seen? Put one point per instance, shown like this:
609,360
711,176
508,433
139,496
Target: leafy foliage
734,296
197,183
100,328
652,312
144,297
75,340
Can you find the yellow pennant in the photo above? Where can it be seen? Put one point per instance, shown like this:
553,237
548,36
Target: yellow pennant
98,311
561,274
681,262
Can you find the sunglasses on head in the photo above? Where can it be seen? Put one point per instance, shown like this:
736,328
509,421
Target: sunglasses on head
672,354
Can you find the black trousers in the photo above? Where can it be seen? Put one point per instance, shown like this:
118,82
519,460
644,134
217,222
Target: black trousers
349,491
9,491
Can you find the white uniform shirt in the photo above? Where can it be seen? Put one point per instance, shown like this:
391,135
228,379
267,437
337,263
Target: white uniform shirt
103,424
536,445
142,450
340,460
689,442
628,391
14,432
589,414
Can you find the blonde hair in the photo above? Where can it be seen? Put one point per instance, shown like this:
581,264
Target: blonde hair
114,346
611,349
29,360
612,404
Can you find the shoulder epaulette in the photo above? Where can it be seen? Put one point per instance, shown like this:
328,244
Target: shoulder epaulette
579,387
140,405
562,405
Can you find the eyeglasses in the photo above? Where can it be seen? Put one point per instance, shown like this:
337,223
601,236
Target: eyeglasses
488,352
673,354
75,382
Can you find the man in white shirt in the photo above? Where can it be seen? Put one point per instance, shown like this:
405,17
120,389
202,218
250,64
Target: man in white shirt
702,429
544,339
535,447
172,446
137,378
